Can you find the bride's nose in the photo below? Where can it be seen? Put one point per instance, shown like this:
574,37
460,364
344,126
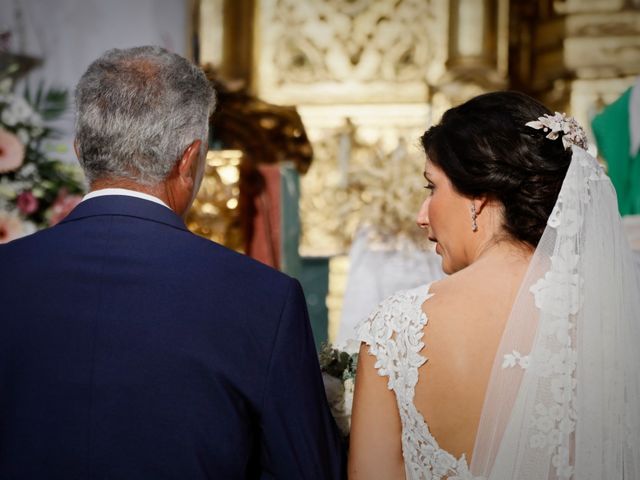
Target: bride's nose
422,219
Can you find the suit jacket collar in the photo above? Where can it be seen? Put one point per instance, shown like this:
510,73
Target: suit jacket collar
125,206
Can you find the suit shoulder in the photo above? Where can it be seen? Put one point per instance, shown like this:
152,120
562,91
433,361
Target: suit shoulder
238,265
32,240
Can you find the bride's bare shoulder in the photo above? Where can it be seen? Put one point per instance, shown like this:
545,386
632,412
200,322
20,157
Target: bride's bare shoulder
484,291
461,288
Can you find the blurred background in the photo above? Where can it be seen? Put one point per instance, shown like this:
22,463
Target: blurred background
314,166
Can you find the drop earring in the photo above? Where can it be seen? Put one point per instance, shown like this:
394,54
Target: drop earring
474,217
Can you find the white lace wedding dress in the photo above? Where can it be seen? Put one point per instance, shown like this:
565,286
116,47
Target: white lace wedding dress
563,398
394,333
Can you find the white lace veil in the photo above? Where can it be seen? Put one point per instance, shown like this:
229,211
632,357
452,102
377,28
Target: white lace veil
563,400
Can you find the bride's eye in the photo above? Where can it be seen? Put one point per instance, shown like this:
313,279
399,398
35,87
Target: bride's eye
430,186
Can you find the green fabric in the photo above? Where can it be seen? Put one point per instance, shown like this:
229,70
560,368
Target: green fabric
312,273
289,219
611,129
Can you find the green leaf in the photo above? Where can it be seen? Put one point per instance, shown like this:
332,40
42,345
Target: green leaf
54,104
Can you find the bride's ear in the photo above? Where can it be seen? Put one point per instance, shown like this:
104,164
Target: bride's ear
479,203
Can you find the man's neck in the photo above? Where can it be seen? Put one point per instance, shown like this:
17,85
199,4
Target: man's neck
157,191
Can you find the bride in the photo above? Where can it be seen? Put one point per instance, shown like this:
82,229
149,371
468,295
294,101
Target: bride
522,364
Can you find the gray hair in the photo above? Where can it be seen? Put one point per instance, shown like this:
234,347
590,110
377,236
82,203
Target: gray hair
137,110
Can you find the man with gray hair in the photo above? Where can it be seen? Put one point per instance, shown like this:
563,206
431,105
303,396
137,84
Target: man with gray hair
131,348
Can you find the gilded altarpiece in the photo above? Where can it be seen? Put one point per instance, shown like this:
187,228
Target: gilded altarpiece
368,77
358,72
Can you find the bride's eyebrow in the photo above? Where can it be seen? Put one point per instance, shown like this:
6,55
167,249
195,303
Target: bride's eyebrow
426,176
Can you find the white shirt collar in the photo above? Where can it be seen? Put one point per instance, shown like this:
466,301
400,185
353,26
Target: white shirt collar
126,192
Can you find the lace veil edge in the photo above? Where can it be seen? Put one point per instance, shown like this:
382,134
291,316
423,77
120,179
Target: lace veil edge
563,400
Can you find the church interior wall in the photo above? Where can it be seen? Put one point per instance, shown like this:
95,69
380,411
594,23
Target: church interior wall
367,78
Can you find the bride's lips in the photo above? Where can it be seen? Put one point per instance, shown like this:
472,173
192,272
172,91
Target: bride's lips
435,240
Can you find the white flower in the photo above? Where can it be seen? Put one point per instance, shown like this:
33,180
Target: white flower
544,424
349,388
541,364
17,111
29,227
23,135
555,412
8,118
5,85
558,292
8,189
21,109
565,471
538,440
553,125
27,170
509,360
562,389
554,219
567,425
516,358
554,437
564,362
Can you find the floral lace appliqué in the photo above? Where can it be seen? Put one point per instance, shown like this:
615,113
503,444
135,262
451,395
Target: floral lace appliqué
558,296
394,334
516,358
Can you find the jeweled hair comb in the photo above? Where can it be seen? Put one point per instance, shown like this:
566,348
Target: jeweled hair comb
554,125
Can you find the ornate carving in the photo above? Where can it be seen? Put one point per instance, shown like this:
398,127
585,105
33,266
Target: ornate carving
603,57
367,176
332,46
600,24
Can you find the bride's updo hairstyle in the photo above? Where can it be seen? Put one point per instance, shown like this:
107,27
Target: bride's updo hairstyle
485,149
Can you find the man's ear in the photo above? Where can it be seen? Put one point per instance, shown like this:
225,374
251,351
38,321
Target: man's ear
76,148
189,160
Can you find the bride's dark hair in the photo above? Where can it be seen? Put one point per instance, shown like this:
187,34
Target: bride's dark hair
485,149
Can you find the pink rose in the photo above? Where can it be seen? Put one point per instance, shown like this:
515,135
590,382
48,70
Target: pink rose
11,152
10,227
62,206
27,203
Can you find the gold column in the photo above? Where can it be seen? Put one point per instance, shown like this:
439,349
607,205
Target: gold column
215,214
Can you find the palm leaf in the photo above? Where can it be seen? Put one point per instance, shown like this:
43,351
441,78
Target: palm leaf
54,103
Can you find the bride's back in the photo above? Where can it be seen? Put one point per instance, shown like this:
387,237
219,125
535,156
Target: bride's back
466,317
493,183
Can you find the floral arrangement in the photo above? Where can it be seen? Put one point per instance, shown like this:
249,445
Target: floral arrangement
338,369
36,191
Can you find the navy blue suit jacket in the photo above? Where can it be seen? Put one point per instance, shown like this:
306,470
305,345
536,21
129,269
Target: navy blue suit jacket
131,348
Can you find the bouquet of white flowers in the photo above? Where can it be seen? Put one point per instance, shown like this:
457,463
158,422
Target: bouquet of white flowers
338,369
